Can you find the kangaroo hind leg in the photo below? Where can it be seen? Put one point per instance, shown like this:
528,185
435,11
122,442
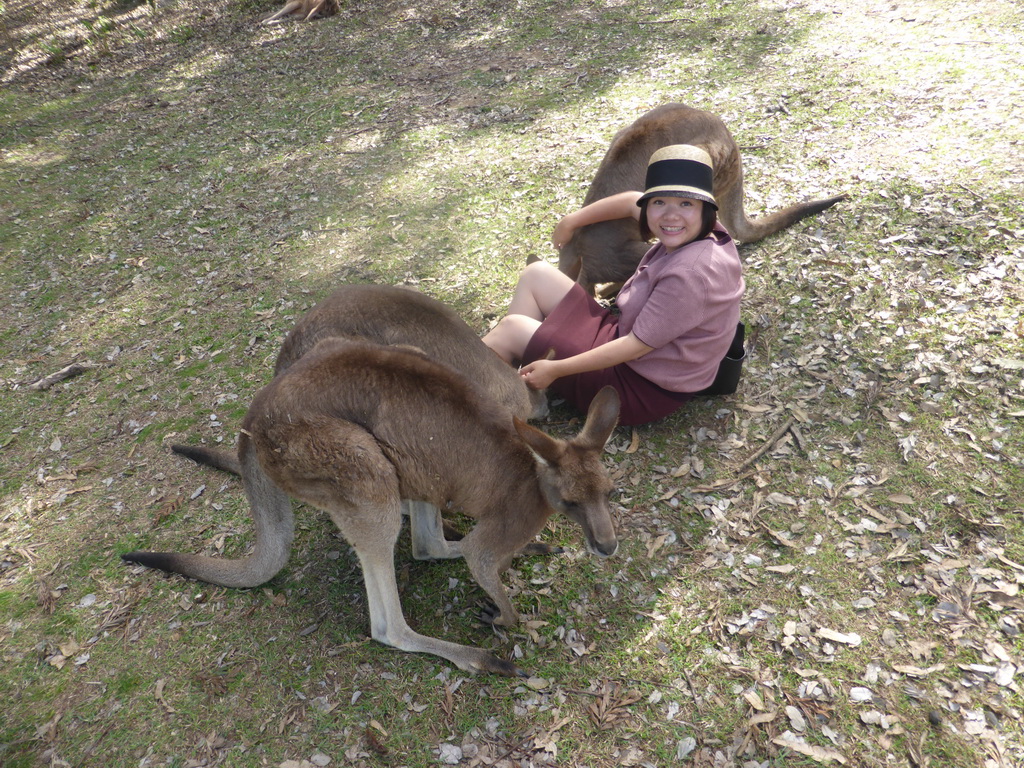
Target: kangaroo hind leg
317,7
372,528
427,531
346,474
289,8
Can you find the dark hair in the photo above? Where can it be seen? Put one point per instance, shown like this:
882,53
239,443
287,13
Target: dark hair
708,219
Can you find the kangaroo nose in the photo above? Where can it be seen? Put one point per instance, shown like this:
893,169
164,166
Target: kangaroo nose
605,548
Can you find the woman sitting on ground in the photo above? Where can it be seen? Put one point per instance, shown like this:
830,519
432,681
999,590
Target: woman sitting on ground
678,312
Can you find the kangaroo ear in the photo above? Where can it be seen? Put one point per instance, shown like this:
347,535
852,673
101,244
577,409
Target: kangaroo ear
602,416
409,348
546,448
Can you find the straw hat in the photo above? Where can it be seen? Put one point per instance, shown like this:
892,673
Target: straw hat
679,170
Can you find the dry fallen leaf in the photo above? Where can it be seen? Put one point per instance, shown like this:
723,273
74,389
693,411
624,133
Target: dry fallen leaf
610,708
819,754
849,638
682,469
796,719
761,719
754,700
57,660
912,671
655,545
859,693
921,649
159,695
69,647
874,717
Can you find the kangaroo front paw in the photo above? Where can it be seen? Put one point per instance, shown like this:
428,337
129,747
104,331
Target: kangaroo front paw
540,548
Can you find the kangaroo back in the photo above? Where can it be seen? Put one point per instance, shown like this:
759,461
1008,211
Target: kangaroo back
449,441
391,315
610,251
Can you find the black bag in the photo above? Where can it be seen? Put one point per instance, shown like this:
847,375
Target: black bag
729,369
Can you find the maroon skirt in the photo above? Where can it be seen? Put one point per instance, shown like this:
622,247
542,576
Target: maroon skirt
579,324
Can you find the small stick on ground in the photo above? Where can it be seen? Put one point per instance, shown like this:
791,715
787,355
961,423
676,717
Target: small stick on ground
776,436
68,372
693,692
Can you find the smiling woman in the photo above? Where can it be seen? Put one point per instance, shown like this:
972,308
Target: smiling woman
674,220
678,313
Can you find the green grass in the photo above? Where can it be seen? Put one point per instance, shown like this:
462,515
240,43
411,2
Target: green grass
180,186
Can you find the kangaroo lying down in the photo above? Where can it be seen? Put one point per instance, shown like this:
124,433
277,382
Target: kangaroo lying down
353,428
609,252
305,10
386,314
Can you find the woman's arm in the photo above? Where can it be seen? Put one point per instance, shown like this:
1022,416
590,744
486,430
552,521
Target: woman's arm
540,373
620,206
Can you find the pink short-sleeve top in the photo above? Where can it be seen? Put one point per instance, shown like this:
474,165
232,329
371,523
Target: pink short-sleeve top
686,304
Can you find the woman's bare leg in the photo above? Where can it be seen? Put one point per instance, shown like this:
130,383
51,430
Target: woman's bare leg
510,337
540,288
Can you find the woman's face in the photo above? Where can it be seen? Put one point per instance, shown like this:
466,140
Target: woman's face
675,221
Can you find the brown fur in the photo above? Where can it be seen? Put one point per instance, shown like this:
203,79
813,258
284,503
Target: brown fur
609,252
353,428
305,9
391,315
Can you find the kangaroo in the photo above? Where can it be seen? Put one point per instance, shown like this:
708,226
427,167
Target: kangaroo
608,252
391,315
352,428
304,9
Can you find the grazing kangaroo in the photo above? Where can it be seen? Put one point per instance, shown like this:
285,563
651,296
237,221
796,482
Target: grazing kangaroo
386,314
352,428
608,252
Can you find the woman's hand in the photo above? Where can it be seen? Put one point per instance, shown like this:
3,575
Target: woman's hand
540,373
563,232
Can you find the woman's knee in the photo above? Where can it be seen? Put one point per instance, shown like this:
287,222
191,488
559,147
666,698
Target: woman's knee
539,273
546,285
511,335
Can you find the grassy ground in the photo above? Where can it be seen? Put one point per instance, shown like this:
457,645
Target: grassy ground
181,183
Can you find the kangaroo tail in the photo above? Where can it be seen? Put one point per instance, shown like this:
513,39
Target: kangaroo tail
225,461
275,526
748,230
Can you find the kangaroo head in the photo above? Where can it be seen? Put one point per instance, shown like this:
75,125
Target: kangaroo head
572,476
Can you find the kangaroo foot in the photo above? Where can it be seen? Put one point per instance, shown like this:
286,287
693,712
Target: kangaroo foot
491,615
